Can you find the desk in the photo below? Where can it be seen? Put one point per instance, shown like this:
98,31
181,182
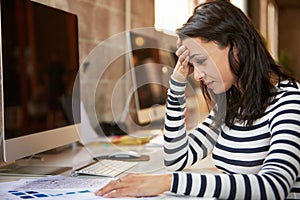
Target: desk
79,156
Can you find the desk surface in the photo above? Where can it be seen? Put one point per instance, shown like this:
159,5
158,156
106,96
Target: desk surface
79,155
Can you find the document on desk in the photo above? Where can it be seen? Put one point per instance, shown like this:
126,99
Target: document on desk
51,187
60,187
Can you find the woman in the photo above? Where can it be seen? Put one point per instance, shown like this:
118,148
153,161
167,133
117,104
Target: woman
253,130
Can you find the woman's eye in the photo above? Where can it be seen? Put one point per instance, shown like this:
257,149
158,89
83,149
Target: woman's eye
200,61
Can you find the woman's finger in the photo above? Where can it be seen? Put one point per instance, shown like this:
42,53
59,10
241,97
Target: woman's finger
111,186
178,43
183,56
120,192
180,50
185,62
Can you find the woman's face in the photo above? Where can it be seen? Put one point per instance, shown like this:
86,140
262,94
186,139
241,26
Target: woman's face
211,64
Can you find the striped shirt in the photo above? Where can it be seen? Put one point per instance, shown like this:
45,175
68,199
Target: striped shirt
258,162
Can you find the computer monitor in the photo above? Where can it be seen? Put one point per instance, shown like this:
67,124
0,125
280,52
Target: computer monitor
40,108
152,62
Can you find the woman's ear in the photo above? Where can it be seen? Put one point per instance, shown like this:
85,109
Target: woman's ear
233,55
235,50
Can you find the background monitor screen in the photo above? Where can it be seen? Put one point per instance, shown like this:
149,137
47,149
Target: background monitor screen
153,60
39,65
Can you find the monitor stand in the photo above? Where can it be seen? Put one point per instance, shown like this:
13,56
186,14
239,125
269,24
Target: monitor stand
14,168
35,164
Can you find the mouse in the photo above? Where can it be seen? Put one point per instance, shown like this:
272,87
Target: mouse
125,154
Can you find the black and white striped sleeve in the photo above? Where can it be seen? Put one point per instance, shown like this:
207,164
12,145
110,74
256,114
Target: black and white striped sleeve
182,149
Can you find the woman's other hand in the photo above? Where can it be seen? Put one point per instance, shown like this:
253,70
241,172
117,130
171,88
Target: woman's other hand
182,68
137,185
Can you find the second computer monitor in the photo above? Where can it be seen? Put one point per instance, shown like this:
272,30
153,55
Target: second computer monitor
152,62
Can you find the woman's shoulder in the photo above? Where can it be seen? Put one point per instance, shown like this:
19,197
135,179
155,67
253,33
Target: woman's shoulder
288,85
287,90
287,98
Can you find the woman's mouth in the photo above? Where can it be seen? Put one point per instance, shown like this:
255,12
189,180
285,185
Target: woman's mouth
209,84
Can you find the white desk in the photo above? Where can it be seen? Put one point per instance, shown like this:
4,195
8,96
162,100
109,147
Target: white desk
79,156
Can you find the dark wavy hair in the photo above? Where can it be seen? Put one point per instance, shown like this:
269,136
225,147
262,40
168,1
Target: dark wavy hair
252,64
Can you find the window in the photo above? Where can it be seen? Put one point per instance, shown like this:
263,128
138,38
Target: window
172,14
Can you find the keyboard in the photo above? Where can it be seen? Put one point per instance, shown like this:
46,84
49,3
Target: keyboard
105,168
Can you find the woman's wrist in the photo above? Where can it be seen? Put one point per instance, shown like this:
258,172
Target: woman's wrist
178,77
178,86
168,179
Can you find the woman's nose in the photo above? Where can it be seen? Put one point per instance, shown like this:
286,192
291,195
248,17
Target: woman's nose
198,75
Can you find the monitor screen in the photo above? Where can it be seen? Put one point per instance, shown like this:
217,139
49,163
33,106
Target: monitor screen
153,59
40,89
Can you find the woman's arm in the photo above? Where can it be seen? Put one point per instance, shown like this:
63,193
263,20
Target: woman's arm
182,149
